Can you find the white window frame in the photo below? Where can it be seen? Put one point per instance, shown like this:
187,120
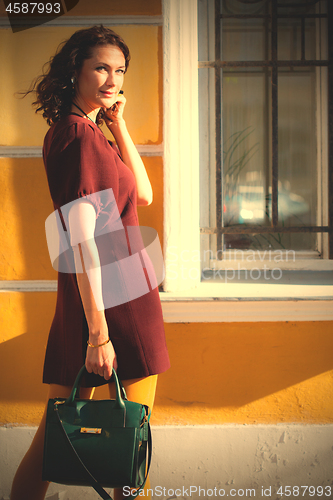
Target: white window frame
181,145
185,297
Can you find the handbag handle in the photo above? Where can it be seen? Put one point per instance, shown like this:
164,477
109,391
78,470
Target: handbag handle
119,400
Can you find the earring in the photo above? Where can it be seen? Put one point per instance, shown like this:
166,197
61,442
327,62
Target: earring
73,81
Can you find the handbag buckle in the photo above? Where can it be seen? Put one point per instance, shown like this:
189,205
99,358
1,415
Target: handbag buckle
144,420
90,430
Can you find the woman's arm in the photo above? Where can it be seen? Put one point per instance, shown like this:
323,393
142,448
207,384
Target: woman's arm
117,125
82,221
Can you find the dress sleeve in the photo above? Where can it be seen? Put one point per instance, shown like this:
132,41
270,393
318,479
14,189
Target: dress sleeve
81,164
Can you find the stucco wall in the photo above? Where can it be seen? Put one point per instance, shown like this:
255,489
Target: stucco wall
221,372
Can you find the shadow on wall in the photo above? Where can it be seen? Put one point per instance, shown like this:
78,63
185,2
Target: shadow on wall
213,365
22,355
230,365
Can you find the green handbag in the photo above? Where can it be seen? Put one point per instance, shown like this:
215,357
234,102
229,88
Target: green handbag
98,443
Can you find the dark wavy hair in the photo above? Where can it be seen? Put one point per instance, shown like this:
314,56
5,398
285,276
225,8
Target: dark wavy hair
54,89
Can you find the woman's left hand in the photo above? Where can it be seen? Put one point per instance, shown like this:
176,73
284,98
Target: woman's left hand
115,113
115,122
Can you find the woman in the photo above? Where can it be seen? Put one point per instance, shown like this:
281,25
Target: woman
81,90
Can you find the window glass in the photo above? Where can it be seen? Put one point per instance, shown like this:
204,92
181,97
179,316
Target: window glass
237,108
241,45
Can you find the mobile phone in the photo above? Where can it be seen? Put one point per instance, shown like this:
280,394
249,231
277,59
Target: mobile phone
114,106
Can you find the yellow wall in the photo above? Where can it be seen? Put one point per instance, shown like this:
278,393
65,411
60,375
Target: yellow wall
221,373
26,204
240,373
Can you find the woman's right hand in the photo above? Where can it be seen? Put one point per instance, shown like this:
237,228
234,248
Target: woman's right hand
100,360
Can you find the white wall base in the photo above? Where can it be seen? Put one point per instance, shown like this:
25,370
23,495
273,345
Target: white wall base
242,461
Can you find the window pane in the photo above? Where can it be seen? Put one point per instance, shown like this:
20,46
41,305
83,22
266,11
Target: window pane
244,45
247,156
297,153
290,39
247,40
242,7
245,152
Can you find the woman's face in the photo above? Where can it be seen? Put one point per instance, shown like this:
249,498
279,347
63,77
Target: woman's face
101,77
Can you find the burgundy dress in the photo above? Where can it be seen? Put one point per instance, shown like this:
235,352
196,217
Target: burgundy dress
79,161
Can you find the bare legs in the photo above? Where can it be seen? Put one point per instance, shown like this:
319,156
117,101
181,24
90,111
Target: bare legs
28,484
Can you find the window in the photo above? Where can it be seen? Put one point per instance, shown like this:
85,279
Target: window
185,249
263,117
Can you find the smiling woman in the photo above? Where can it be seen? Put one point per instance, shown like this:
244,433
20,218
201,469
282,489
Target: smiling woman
81,89
99,81
84,51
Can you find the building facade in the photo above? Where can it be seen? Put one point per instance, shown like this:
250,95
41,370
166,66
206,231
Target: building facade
246,407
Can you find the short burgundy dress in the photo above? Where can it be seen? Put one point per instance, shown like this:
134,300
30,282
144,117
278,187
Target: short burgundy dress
79,161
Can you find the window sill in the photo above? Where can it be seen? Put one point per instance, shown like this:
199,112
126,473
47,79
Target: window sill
231,302
302,296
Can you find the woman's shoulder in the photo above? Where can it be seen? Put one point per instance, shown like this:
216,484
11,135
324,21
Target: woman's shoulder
72,129
75,125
